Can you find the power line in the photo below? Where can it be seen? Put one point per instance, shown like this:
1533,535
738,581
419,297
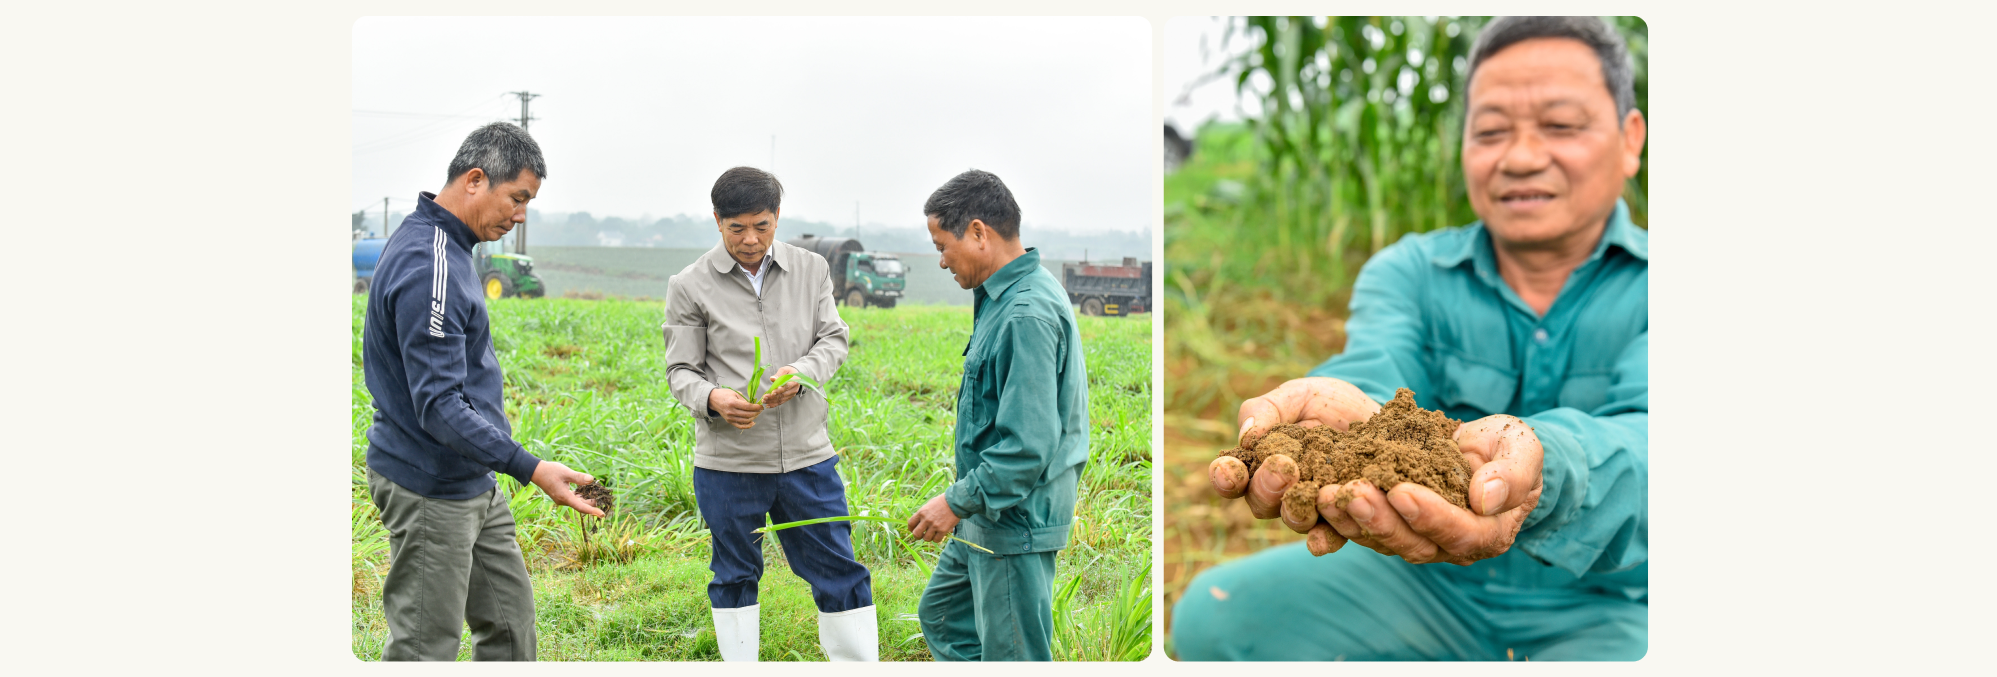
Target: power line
425,129
413,115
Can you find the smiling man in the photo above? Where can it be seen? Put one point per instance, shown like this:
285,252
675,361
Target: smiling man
1022,436
440,428
771,458
1532,325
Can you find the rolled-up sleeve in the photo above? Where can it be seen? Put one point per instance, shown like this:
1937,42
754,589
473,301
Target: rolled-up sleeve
1593,515
1027,422
685,332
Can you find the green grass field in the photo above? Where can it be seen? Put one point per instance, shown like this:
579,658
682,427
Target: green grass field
585,386
635,272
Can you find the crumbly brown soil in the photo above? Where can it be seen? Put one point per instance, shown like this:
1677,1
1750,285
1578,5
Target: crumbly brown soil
598,495
1402,443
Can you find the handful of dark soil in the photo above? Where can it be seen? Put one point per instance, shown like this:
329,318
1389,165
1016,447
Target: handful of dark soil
1402,443
599,495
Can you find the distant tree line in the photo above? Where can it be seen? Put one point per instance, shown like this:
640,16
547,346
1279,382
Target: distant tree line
582,229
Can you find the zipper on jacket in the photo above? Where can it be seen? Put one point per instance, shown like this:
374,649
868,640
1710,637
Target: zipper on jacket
763,321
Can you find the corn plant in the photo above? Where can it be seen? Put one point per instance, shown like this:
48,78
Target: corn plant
754,386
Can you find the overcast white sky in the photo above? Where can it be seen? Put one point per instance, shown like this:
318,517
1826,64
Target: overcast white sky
639,115
1193,49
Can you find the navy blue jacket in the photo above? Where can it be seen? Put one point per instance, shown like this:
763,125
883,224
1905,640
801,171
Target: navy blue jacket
439,425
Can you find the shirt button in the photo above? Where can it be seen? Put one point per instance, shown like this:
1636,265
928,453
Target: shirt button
1539,335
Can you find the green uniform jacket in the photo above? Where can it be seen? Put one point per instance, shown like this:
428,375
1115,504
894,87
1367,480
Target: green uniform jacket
1430,313
1022,414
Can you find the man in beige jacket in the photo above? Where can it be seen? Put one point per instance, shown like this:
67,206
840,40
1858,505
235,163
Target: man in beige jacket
772,457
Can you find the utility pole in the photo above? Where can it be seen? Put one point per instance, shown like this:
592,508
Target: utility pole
520,241
524,98
384,217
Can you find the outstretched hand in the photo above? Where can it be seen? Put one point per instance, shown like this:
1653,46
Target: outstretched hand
1414,523
1410,521
555,478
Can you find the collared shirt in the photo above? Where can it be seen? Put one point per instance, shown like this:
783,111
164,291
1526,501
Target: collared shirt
1430,313
756,276
714,315
1022,413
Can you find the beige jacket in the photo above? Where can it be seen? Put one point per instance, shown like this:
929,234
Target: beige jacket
712,318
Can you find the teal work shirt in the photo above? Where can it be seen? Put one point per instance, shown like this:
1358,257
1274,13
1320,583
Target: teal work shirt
1022,414
1431,314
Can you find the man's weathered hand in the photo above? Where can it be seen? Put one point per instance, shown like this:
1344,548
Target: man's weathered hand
781,395
555,478
1309,402
934,521
1416,524
737,411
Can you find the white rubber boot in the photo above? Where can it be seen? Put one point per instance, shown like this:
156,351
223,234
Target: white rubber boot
738,632
852,635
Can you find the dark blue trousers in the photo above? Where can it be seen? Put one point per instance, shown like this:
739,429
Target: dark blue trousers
733,505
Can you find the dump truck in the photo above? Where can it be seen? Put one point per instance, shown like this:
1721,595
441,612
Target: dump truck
1109,290
860,278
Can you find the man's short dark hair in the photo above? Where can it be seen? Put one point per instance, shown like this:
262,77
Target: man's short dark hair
974,194
501,150
1597,34
746,190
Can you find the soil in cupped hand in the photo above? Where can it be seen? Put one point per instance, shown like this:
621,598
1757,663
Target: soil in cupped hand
598,495
1401,443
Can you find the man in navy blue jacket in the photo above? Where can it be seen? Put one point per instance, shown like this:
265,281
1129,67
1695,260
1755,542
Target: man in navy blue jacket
440,427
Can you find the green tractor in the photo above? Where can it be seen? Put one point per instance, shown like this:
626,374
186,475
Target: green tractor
507,274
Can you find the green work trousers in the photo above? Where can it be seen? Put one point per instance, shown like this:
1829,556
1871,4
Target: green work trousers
981,607
452,563
1282,604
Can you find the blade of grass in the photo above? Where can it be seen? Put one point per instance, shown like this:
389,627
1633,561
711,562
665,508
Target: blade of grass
856,518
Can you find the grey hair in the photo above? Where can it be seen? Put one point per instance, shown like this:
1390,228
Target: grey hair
1597,34
501,150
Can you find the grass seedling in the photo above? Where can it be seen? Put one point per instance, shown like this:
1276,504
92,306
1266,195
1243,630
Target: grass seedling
857,518
755,385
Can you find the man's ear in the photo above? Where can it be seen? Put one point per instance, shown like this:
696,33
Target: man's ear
1633,138
717,219
474,180
978,230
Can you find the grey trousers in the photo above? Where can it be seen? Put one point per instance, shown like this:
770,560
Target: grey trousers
452,563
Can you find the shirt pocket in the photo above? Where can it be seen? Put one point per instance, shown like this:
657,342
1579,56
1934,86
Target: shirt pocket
1467,383
1585,391
972,415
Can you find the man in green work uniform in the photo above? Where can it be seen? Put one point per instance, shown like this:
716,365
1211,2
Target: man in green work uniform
1022,436
1532,325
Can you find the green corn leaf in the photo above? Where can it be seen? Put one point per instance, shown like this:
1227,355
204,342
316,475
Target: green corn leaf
756,377
800,378
856,518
